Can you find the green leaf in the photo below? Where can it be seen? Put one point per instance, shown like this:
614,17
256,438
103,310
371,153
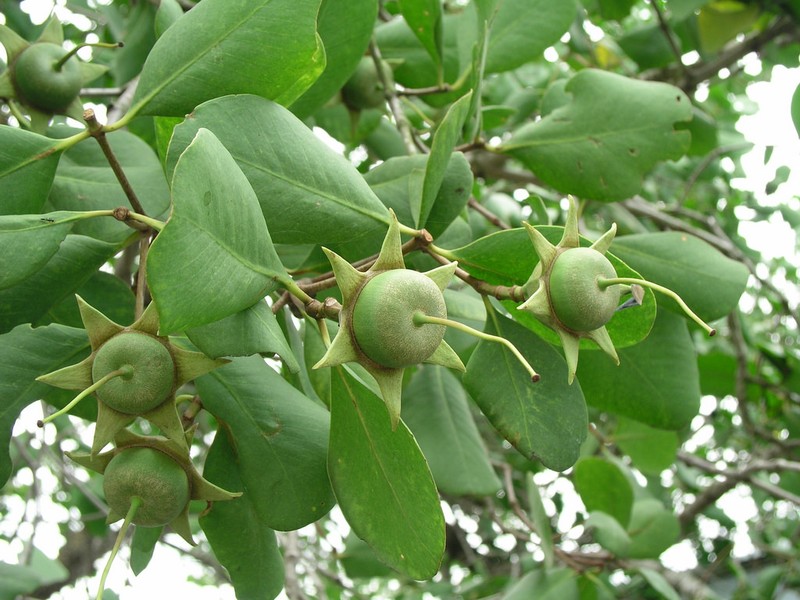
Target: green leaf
609,533
795,109
604,487
74,262
28,164
214,256
436,410
602,143
104,291
544,528
85,181
232,47
26,353
241,541
391,181
653,529
545,420
143,544
657,381
424,17
507,258
523,29
168,12
555,584
708,281
651,450
382,482
41,571
281,440
254,330
657,581
345,27
27,242
307,192
444,140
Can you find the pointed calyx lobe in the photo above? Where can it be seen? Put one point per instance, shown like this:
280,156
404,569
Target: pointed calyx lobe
377,322
133,372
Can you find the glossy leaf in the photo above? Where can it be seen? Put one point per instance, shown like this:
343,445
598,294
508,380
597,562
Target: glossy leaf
708,281
307,192
281,440
602,143
241,541
214,256
604,487
345,27
657,381
74,262
28,164
545,420
85,181
382,482
219,48
251,331
523,29
436,410
26,353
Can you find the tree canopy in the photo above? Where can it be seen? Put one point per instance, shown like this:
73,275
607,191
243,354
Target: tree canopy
397,299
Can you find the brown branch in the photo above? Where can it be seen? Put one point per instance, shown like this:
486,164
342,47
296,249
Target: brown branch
97,132
487,214
501,292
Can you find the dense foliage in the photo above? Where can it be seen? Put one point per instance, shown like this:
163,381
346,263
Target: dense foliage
396,298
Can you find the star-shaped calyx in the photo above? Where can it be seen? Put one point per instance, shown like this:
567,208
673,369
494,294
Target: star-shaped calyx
28,82
142,478
382,321
564,293
133,372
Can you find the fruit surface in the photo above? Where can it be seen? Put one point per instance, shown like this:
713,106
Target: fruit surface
383,318
578,301
151,475
40,84
153,377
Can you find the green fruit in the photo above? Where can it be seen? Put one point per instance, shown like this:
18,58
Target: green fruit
383,318
157,480
364,89
38,82
578,302
153,377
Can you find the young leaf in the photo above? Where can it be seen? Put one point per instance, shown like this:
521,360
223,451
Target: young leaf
242,543
281,441
436,410
545,420
214,256
602,143
382,482
219,48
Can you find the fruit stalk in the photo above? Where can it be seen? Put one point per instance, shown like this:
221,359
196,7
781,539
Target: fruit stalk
136,502
125,370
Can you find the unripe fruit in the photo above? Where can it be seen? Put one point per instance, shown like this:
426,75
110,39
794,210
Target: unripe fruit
157,480
40,84
578,301
365,89
383,318
151,381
